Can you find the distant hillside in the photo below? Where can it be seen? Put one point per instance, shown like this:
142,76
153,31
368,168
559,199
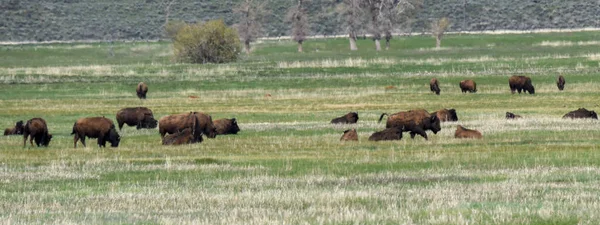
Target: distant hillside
28,20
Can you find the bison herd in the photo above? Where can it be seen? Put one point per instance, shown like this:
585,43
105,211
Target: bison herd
516,84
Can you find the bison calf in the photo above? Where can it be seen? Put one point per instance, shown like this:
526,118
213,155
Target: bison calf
389,134
446,115
510,116
462,132
351,117
581,113
96,127
226,126
37,130
141,117
186,136
434,86
349,135
520,83
468,85
560,83
141,90
16,130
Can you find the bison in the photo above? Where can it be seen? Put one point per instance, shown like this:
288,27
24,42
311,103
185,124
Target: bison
434,86
462,132
16,130
37,130
389,134
96,127
141,117
560,82
226,126
349,135
141,90
200,123
510,116
414,121
468,85
581,113
351,117
186,136
446,115
520,83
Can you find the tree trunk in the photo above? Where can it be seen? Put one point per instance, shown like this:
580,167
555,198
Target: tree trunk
247,47
352,43
377,45
438,41
387,44
299,46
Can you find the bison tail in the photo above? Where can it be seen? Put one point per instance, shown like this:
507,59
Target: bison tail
381,117
74,130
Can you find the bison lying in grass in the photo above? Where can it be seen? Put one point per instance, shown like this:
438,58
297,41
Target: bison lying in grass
349,135
186,136
37,130
512,116
581,113
462,132
16,130
96,127
351,117
389,134
140,117
226,126
413,121
446,115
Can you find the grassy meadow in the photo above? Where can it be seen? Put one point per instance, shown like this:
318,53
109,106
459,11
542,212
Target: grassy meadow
287,165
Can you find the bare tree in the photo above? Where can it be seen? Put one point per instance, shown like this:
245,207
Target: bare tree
167,6
394,14
353,13
300,27
249,27
374,8
438,27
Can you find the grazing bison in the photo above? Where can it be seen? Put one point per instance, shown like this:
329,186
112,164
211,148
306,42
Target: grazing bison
186,136
446,115
349,135
16,130
581,113
434,86
141,117
462,132
200,123
226,126
389,134
560,82
37,130
520,83
96,127
510,116
351,117
468,85
141,90
414,121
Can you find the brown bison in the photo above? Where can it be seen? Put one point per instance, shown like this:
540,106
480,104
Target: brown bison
511,116
349,135
560,82
141,117
434,86
468,85
446,115
414,121
141,90
16,130
351,117
37,130
581,113
96,127
186,136
226,126
520,83
200,123
389,134
462,132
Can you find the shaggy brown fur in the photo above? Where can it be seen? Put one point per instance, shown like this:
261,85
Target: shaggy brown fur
349,135
16,130
389,134
351,117
37,130
560,83
226,126
581,113
462,132
434,86
468,85
141,117
182,137
510,116
95,127
520,83
202,124
447,115
141,90
414,121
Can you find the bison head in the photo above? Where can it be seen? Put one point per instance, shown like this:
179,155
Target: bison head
45,141
148,121
352,117
113,137
234,126
452,115
19,127
434,123
531,90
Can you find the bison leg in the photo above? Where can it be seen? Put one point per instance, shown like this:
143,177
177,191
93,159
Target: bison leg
83,140
120,125
101,142
25,140
418,131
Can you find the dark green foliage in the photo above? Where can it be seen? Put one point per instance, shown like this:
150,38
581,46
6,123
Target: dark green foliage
211,42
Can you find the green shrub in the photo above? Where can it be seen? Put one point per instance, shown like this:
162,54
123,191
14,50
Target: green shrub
210,42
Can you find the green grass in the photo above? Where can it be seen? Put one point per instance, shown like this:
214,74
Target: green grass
287,164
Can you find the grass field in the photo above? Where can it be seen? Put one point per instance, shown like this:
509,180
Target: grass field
287,165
